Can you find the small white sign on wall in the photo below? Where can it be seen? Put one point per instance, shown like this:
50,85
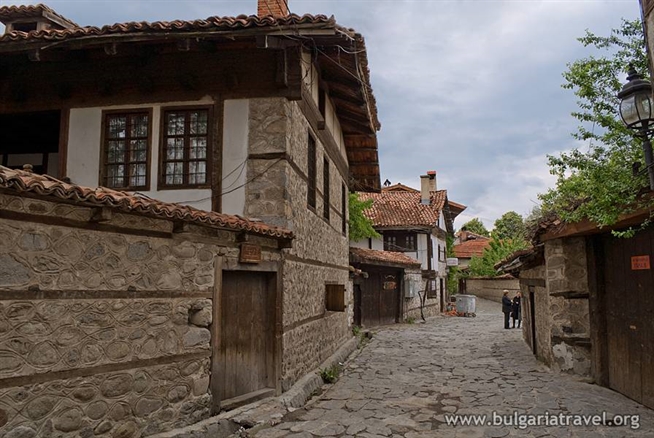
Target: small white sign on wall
452,261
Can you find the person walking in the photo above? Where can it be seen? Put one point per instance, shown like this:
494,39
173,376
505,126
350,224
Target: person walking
516,310
507,306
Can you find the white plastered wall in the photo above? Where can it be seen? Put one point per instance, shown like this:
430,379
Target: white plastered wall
83,161
235,153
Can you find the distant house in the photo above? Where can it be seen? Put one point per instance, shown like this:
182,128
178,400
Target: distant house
269,117
468,245
415,223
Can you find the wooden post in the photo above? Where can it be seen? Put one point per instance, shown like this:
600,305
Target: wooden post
216,333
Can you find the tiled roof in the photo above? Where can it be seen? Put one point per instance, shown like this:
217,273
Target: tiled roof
403,208
210,24
20,181
470,248
361,255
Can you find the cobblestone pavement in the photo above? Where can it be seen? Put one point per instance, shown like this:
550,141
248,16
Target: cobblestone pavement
404,382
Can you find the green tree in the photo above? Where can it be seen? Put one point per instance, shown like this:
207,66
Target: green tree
509,226
598,184
497,251
476,226
359,225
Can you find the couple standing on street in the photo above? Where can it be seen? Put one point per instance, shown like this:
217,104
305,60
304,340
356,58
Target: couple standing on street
511,308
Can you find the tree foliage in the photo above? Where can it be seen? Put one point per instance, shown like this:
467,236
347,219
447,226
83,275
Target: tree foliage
476,226
497,251
597,183
360,227
509,226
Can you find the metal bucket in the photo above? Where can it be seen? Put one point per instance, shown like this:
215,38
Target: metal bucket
466,303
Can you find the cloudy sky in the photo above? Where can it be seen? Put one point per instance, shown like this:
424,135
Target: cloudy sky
471,89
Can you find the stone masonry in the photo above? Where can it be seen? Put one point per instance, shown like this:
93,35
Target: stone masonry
104,333
320,250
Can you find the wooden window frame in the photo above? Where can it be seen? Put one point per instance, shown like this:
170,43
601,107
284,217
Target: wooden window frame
312,172
103,148
400,239
326,185
162,149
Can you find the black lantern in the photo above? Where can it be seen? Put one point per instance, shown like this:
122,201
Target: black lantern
637,112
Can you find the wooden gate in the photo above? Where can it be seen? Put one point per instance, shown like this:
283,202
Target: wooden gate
247,337
380,298
629,295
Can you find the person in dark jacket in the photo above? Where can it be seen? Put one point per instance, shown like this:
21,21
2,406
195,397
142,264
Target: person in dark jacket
506,308
516,311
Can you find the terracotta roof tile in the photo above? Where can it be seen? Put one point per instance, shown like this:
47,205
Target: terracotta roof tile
28,11
470,248
403,208
362,255
43,185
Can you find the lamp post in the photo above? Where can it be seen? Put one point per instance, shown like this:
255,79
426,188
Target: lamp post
637,112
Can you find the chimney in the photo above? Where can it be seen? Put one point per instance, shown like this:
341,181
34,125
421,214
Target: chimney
432,180
424,189
276,8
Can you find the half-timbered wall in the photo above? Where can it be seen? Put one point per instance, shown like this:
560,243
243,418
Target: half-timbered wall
84,146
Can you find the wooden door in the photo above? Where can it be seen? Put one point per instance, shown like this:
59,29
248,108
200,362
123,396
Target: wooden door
380,298
247,333
629,290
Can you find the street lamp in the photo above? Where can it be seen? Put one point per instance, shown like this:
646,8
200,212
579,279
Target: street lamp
637,112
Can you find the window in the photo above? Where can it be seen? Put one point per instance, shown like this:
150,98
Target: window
311,183
390,242
335,297
400,241
431,289
325,187
185,148
344,207
125,150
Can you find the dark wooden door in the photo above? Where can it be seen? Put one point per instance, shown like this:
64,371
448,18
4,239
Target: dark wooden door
247,334
629,294
380,298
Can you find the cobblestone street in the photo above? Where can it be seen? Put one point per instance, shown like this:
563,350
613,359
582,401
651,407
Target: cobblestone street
409,377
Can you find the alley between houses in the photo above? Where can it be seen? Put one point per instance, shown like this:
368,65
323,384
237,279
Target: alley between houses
410,377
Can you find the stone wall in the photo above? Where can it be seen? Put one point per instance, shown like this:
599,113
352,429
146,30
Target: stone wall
319,255
412,305
492,288
567,272
104,332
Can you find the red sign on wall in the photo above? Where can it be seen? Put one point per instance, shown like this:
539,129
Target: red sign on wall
639,263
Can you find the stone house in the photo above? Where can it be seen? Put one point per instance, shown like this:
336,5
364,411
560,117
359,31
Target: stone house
587,303
415,223
128,316
268,117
